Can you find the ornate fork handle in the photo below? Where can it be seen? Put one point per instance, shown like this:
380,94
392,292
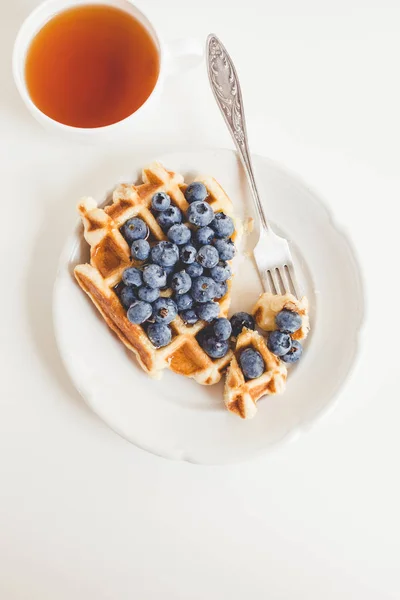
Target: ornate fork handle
225,85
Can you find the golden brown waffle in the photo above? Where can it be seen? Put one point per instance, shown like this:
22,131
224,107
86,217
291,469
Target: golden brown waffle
110,256
240,396
268,305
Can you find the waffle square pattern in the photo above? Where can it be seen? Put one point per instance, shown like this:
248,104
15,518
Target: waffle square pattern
241,395
110,255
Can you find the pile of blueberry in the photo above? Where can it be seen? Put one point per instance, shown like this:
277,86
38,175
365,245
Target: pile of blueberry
193,263
280,341
215,339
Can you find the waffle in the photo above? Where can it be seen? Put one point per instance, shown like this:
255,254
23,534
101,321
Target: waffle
240,396
268,305
110,256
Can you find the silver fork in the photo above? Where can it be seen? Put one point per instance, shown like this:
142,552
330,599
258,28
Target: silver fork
272,253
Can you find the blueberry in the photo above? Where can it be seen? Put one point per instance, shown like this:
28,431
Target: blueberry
165,254
208,257
189,316
188,254
181,282
160,201
222,225
221,290
207,311
203,289
203,236
132,276
194,270
154,276
196,192
164,310
139,312
169,217
200,214
240,320
148,294
134,229
288,321
251,363
183,301
127,296
159,334
214,348
226,249
140,249
221,272
294,353
222,329
179,234
279,343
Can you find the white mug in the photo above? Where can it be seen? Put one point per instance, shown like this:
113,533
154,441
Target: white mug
171,57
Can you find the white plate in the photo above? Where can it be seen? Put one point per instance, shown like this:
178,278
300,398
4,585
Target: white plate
175,417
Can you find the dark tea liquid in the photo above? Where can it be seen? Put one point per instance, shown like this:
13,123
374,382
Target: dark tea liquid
91,66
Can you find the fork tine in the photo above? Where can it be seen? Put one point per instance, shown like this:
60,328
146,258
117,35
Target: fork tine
273,282
269,284
293,285
281,281
285,285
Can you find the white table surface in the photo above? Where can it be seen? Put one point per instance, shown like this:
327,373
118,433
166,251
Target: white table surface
84,514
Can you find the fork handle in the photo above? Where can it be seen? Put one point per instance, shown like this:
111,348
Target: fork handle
226,88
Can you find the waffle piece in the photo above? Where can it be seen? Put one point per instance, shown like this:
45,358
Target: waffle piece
268,305
240,396
110,256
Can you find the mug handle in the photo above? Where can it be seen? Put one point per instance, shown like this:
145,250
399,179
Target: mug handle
182,55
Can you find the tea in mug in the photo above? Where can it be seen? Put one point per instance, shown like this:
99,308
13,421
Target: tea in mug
91,66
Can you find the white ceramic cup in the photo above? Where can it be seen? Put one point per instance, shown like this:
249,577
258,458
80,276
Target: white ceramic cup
173,57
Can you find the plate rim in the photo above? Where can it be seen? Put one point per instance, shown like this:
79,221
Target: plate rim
359,331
